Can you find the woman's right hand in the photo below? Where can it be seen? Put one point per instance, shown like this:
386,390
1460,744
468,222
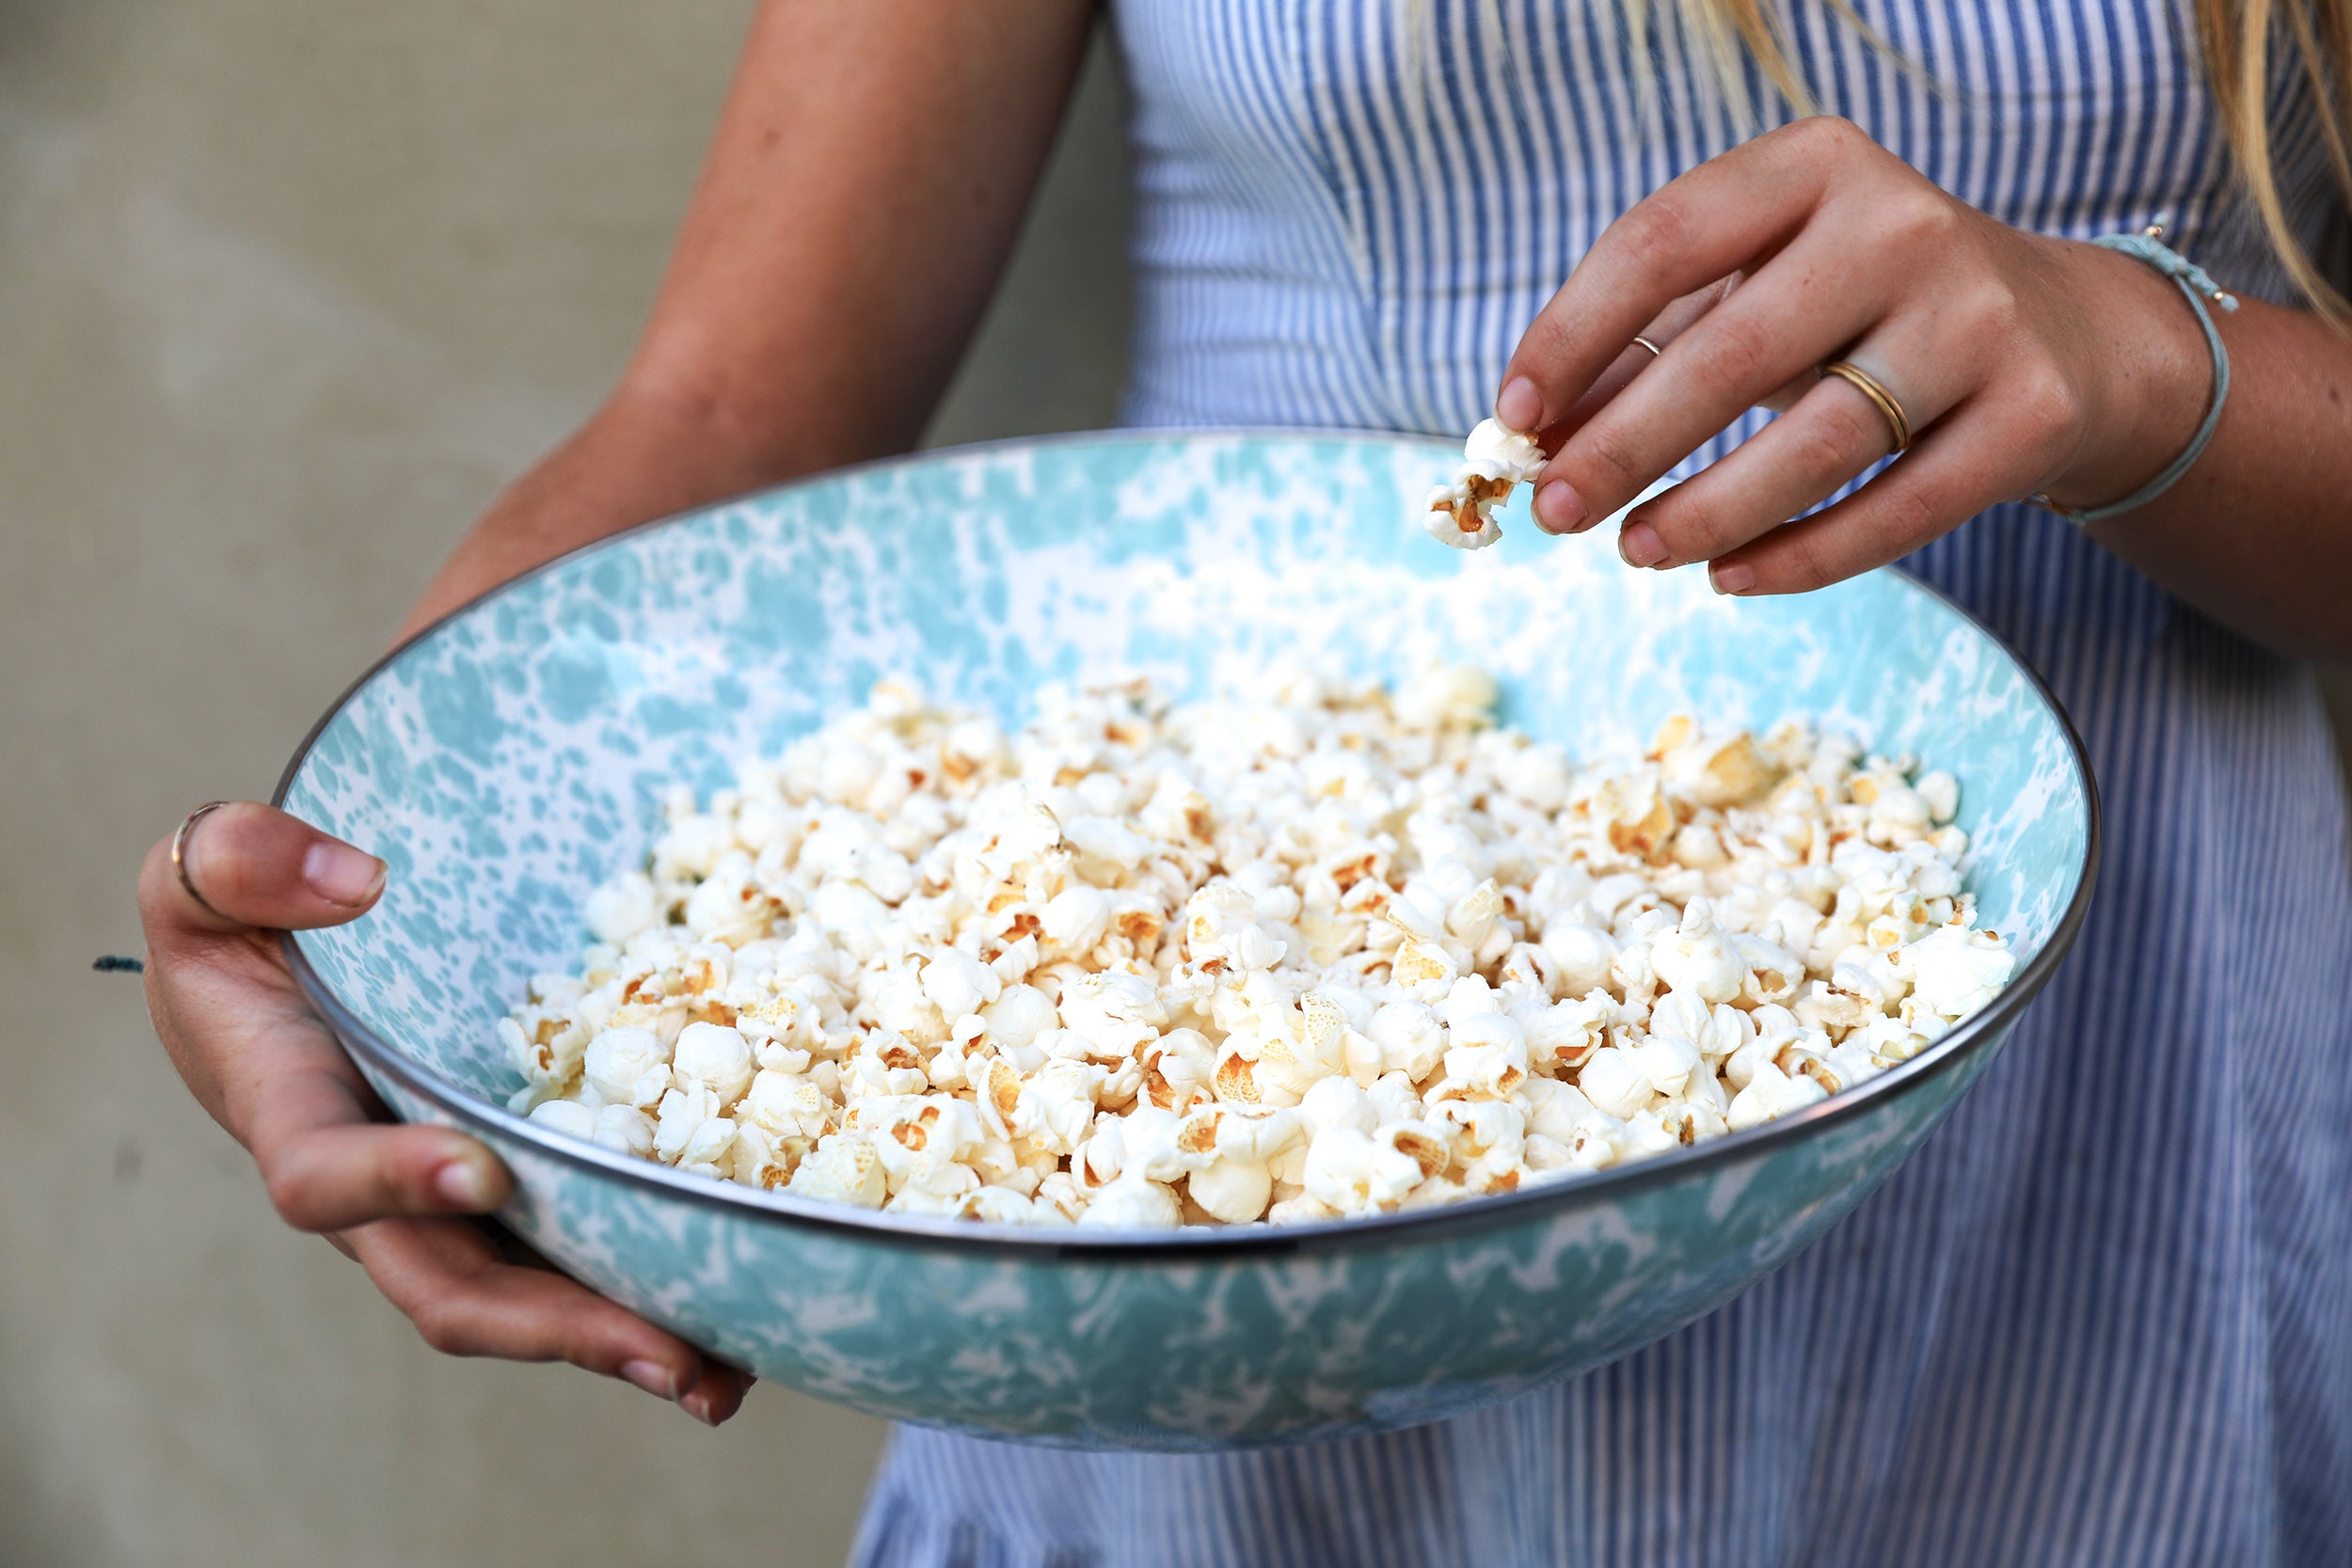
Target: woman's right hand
392,1198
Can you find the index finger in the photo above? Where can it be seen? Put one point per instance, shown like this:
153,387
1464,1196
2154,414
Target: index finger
1714,220
329,1167
465,1300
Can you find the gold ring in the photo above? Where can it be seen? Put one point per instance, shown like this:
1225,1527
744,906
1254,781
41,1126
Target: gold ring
1897,423
1654,350
180,856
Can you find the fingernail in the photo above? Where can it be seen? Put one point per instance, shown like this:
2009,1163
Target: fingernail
653,1377
464,1184
1730,577
1558,508
697,1404
1640,546
1521,407
339,874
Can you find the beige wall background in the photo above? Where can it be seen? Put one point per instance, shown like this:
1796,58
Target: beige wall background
286,292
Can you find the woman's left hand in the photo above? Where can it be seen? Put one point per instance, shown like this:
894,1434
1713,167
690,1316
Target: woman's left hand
2024,365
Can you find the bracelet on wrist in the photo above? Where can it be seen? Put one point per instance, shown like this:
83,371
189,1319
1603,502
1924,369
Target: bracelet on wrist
2197,286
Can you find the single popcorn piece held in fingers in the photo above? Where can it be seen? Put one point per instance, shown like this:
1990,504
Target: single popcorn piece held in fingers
1312,951
1462,514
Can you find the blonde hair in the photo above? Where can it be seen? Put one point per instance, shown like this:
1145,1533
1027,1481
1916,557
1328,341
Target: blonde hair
2236,38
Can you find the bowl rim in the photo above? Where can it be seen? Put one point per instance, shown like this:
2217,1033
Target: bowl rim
1041,1242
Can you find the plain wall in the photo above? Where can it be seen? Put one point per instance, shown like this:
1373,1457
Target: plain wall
286,292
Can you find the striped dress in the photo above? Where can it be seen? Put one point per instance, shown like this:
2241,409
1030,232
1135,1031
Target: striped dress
2106,1316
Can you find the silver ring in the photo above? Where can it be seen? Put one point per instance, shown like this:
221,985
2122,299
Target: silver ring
180,856
1654,350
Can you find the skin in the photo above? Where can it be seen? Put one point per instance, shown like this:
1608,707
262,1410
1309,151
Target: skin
862,190
2025,364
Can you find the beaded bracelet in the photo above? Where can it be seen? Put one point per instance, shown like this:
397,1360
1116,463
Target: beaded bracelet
2196,287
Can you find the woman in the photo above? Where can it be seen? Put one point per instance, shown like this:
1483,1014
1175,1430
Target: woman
2099,1319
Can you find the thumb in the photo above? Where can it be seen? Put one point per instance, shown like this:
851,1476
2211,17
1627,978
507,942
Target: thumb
244,864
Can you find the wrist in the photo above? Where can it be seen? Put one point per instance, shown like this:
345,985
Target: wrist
2147,375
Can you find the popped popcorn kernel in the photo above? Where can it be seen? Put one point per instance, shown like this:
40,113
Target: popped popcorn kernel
1306,951
1462,514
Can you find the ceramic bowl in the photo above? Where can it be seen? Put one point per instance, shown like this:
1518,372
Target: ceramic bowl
510,758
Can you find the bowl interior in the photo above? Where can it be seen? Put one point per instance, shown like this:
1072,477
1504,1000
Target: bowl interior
514,757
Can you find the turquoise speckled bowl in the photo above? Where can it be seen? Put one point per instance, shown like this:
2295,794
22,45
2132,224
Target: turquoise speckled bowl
510,758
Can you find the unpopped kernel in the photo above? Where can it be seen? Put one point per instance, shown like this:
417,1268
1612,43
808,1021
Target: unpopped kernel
1319,951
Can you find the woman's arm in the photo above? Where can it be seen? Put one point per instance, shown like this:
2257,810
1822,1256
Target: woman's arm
865,186
2029,365
2258,535
867,178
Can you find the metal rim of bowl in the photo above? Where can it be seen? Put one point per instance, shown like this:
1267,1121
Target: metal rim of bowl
1044,1242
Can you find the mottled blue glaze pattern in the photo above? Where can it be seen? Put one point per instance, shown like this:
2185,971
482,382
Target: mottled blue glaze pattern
511,758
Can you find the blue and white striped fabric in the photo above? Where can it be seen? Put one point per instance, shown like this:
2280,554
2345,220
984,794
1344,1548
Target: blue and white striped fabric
2106,1317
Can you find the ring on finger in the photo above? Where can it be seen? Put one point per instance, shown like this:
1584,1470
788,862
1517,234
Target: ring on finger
1897,423
180,855
1654,350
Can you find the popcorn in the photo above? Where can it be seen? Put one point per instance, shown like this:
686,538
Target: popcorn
1337,1102
1256,1134
1018,1016
1698,958
1056,1109
1772,1093
1953,971
1581,956
567,1116
1940,793
1133,1203
1354,1173
958,983
1613,1081
1462,514
1666,1062
1003,1206
623,907
787,1105
1115,1013
706,1145
1711,769
681,1115
846,1169
628,1066
619,1128
1309,952
1233,1190
712,1057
